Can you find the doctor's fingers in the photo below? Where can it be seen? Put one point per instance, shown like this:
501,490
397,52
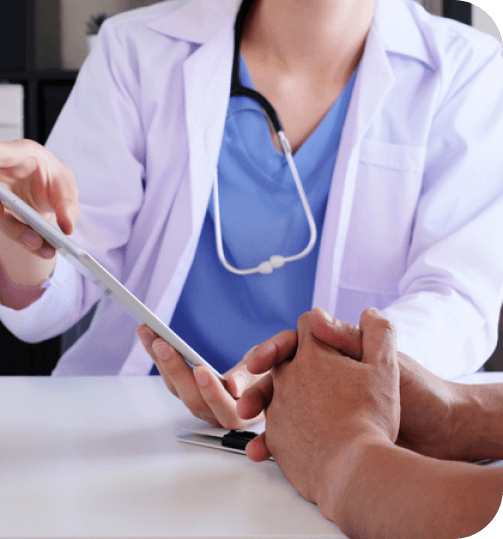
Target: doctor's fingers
147,338
239,379
207,398
179,378
221,402
41,180
21,233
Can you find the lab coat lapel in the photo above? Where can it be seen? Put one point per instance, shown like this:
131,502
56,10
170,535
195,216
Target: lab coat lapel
208,25
374,80
207,75
206,80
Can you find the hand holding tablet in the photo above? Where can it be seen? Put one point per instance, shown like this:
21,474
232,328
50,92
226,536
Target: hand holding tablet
91,269
49,186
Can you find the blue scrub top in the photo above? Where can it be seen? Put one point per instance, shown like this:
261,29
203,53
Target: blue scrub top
220,314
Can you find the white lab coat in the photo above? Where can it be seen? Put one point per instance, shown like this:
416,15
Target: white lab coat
414,222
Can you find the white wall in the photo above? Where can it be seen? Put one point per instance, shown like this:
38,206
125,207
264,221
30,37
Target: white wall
482,21
74,16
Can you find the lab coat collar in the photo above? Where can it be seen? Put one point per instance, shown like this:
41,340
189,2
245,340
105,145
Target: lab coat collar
399,32
197,21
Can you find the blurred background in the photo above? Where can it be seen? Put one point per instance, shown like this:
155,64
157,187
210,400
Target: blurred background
43,44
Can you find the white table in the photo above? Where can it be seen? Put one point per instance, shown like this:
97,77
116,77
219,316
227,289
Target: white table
481,378
97,456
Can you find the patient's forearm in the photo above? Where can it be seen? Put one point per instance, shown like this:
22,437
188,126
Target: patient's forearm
392,492
478,432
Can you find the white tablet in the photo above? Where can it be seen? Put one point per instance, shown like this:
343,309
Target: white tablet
91,269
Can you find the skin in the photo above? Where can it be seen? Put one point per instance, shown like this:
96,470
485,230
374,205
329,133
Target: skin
201,391
49,186
300,56
439,418
332,424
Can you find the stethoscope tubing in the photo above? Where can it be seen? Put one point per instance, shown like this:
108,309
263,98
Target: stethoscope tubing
237,89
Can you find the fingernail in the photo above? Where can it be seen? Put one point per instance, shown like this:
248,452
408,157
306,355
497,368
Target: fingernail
145,338
202,378
267,348
161,349
31,239
250,353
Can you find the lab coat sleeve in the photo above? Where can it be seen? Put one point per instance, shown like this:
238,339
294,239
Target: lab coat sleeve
60,297
451,293
99,134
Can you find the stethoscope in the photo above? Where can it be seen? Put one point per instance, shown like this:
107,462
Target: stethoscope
237,89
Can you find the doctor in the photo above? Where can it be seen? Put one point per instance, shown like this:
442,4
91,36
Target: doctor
395,146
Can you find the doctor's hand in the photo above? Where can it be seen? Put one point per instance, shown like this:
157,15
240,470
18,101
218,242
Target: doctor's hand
199,389
46,184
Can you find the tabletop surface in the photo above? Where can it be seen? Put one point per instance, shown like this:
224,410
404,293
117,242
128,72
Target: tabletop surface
97,456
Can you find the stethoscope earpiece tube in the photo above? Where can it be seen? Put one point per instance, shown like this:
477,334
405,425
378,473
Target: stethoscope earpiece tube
237,89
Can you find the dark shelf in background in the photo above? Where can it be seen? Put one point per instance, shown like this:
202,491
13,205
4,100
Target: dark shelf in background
460,11
21,359
13,36
45,93
29,45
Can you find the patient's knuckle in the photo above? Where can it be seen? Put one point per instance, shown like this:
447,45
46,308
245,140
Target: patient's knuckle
379,320
370,313
388,326
303,320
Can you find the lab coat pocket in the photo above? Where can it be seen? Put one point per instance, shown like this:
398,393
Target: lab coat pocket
387,188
